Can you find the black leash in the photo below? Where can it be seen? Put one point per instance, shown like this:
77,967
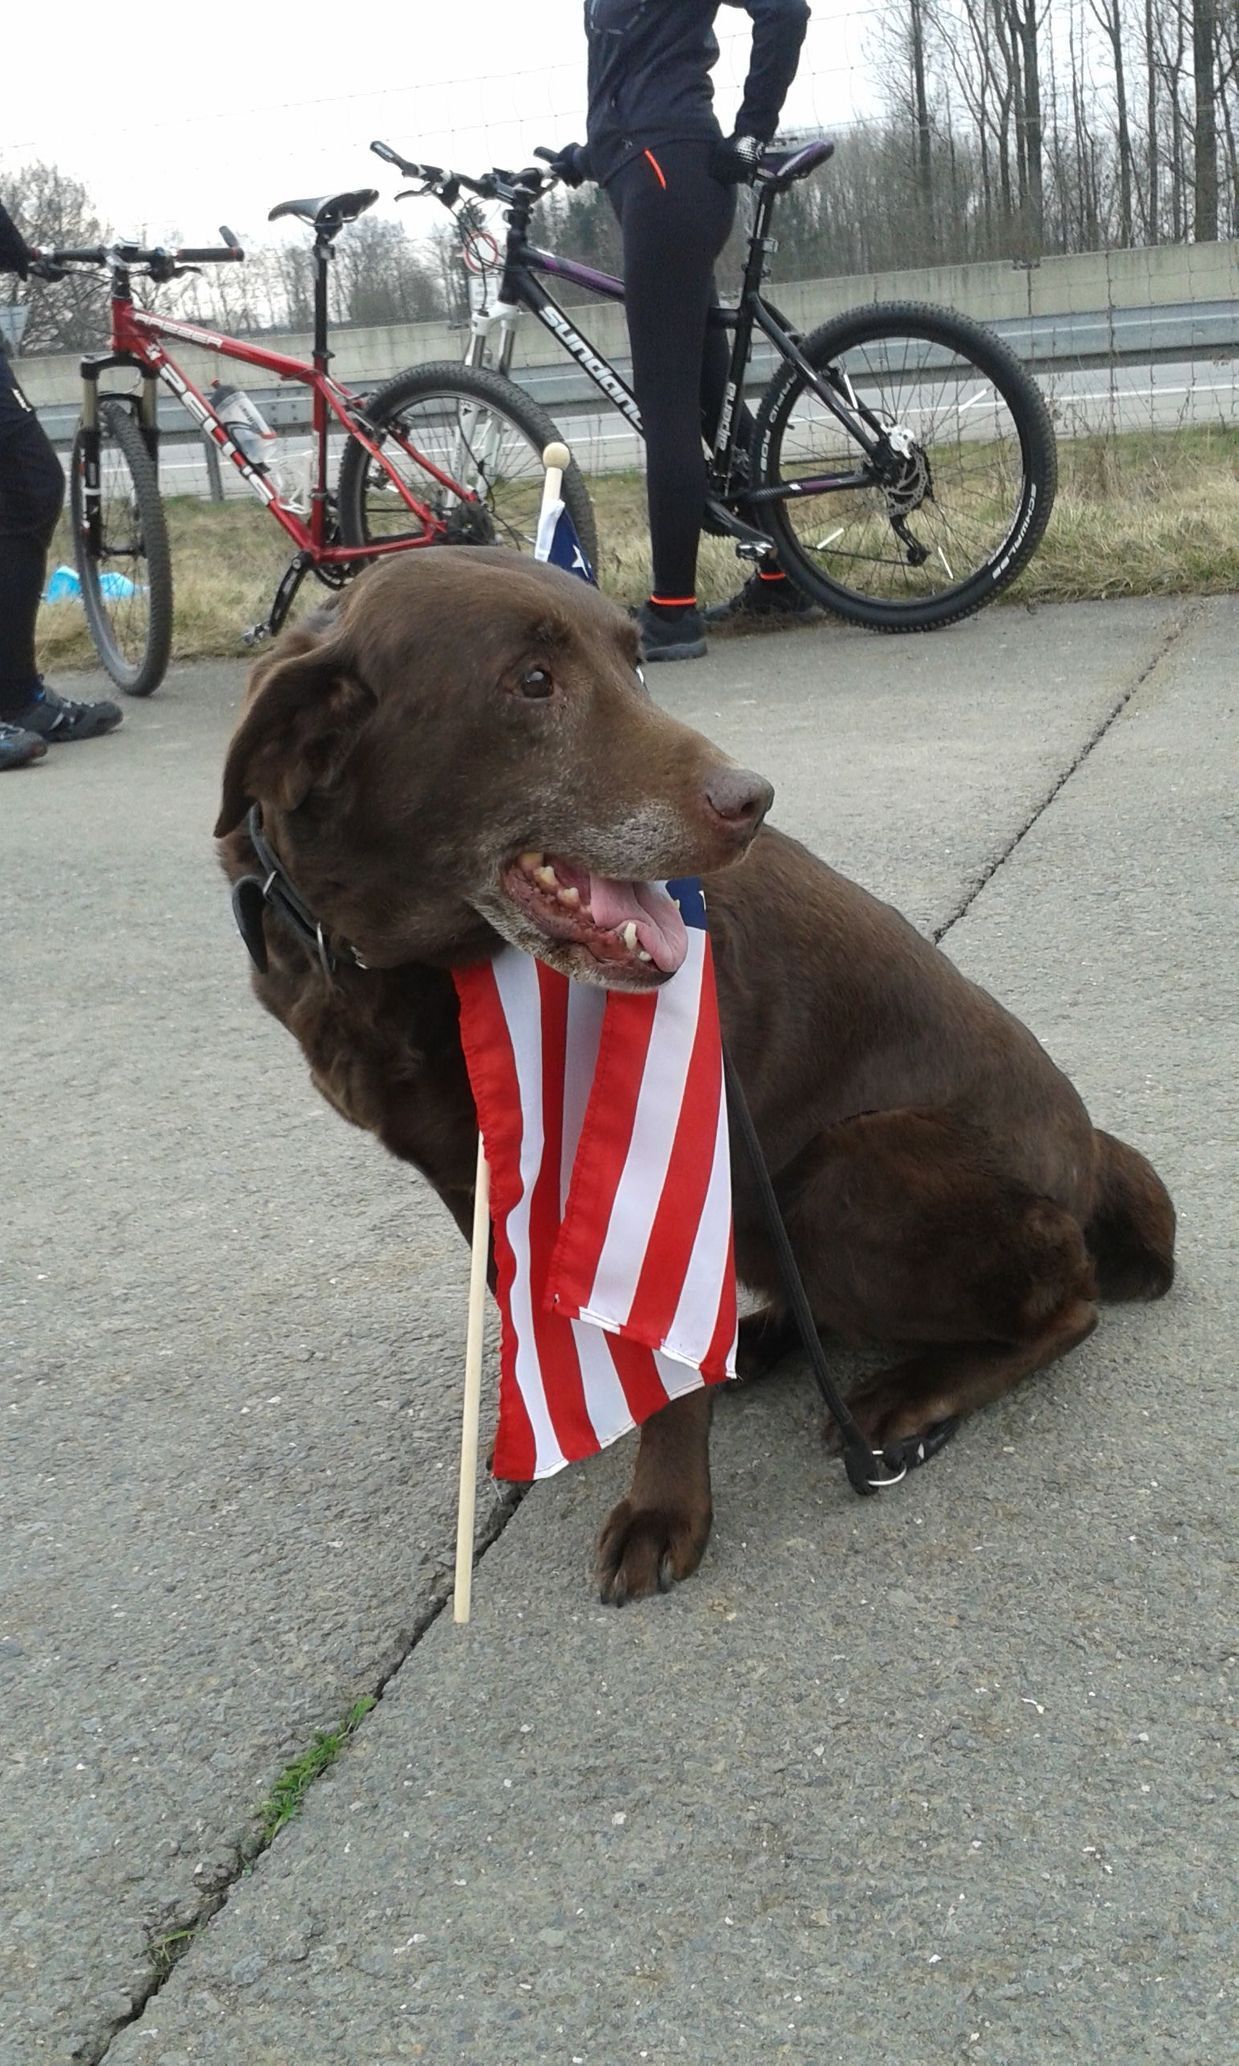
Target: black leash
869,1470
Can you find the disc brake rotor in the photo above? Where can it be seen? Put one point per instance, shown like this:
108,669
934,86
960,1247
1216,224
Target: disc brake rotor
909,482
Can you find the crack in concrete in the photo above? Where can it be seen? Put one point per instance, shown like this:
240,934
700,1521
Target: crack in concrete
251,1847
1169,639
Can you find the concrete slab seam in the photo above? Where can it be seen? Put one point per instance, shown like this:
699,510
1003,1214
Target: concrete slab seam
1165,645
250,1849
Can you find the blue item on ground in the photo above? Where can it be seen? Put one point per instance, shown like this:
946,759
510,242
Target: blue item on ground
65,586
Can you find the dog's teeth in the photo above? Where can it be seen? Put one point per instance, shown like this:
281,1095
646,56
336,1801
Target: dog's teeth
628,934
530,862
643,956
546,876
571,895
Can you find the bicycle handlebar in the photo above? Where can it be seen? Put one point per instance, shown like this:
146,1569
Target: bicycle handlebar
445,185
123,254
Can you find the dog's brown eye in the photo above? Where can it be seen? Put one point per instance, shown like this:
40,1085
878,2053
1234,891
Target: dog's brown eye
536,682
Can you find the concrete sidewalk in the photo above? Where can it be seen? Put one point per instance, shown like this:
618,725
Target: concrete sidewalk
937,1776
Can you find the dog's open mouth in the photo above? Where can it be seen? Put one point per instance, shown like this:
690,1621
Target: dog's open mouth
630,924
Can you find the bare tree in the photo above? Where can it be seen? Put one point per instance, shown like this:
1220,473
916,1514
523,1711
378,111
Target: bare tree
54,211
1228,94
924,140
1108,15
1152,206
1204,195
381,277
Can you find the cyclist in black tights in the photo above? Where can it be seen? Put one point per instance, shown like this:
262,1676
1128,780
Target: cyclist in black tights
32,488
655,145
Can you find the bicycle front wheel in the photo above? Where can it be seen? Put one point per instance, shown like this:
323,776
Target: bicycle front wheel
468,445
127,578
962,495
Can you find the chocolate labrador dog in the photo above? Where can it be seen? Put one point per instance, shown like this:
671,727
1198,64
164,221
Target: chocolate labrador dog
463,752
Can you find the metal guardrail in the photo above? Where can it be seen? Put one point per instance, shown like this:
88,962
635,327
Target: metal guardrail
1166,334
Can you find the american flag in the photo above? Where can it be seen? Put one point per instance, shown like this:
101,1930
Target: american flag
605,1127
606,1135
557,542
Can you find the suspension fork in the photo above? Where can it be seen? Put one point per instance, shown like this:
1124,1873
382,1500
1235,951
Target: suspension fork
483,323
91,367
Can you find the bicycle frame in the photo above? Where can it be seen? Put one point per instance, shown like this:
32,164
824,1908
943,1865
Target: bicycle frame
521,288
136,342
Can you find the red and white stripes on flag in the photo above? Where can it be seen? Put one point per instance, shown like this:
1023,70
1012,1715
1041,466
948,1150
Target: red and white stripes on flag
605,1127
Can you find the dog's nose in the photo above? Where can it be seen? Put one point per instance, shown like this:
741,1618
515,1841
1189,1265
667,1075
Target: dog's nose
740,798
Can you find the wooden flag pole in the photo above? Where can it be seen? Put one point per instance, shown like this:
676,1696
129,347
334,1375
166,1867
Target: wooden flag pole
463,1595
556,459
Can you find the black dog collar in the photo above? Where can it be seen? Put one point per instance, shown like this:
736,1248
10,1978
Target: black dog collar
254,894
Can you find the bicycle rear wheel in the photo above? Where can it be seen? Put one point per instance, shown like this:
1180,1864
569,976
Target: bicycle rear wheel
484,435
127,582
969,481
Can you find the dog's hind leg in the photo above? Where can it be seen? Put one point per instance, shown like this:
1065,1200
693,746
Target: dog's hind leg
657,1533
908,1230
909,1398
1130,1235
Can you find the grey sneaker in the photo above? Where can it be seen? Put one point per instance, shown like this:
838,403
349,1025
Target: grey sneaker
19,747
57,720
665,637
765,599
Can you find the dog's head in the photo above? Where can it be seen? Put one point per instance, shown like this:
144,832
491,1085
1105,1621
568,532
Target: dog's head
464,747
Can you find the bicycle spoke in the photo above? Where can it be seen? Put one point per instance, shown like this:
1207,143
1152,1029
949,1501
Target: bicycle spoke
122,556
958,493
486,457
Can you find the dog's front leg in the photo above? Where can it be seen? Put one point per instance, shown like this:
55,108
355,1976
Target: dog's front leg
656,1535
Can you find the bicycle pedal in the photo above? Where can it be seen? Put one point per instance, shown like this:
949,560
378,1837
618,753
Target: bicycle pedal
255,635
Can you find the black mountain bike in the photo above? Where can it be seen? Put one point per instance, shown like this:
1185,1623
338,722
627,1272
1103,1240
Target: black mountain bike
902,463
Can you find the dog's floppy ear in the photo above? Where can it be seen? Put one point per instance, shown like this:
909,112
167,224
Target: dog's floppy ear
306,709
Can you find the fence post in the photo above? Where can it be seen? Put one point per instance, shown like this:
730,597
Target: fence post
212,466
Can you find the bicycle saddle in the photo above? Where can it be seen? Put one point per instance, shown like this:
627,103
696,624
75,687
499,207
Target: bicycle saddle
782,167
329,211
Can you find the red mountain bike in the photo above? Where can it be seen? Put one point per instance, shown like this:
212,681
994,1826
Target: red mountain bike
456,484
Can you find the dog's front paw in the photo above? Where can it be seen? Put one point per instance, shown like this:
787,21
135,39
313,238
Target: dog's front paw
642,1550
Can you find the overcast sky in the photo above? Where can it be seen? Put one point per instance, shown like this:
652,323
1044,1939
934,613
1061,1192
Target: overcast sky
197,116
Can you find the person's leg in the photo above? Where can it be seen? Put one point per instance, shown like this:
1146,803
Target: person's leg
32,488
31,494
674,217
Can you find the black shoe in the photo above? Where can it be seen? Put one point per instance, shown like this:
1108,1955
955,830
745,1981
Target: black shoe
57,720
765,599
18,747
668,636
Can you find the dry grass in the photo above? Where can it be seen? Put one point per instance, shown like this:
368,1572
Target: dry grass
1140,514
1145,514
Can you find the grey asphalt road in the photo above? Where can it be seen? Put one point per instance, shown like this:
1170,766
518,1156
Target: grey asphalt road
929,1778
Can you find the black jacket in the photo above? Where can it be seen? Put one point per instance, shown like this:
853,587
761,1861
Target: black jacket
14,250
649,73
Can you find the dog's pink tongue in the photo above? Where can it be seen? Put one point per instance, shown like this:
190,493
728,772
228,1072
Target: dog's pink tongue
660,929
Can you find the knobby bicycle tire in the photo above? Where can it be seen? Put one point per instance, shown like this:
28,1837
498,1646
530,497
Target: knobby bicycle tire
473,385
141,673
979,348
